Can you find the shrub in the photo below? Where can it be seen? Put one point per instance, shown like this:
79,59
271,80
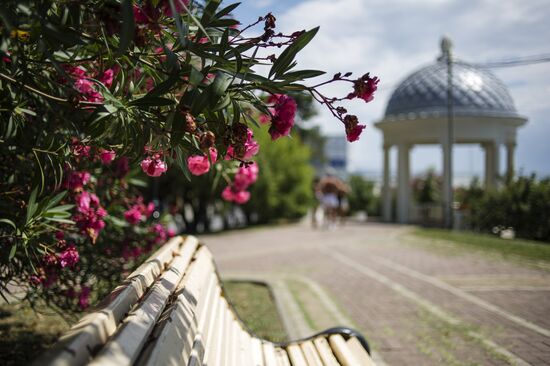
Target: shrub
91,87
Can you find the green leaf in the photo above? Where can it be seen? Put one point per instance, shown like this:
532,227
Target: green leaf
148,101
65,36
163,87
55,200
302,74
209,11
12,251
128,26
31,206
62,208
9,222
60,220
220,84
228,9
287,56
137,182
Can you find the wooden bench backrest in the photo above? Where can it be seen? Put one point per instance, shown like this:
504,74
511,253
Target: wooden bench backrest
171,311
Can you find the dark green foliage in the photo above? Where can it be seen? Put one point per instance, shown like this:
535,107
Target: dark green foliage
523,203
362,196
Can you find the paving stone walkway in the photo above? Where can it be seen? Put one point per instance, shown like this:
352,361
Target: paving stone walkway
417,304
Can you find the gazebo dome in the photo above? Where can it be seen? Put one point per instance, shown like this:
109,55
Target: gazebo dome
476,92
418,114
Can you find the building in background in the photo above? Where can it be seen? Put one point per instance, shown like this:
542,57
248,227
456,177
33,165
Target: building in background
336,154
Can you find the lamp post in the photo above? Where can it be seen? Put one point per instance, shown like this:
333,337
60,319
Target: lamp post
449,136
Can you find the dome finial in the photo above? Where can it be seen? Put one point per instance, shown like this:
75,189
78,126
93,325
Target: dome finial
446,49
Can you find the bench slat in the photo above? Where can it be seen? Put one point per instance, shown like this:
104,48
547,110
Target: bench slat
269,354
212,321
172,340
257,353
296,356
76,347
217,350
342,351
325,352
124,347
310,354
226,343
359,352
282,357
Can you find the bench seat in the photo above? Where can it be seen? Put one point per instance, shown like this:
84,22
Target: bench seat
172,311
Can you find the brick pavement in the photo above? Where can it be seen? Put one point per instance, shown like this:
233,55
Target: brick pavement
416,304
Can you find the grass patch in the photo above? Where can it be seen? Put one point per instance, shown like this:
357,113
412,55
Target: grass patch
521,248
25,334
256,307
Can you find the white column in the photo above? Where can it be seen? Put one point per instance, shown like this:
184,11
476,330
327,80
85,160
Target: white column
403,184
492,163
386,188
510,151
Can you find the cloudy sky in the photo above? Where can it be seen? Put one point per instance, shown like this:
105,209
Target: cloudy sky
392,38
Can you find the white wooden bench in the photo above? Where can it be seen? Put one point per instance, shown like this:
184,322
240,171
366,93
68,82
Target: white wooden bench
172,311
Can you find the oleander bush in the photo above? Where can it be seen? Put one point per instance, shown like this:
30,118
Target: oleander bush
95,95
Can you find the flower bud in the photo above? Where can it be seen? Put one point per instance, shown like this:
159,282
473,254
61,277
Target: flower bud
190,124
207,140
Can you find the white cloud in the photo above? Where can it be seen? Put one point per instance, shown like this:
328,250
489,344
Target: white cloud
393,38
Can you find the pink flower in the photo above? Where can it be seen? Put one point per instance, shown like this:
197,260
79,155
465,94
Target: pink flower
264,118
251,148
90,214
79,149
354,133
364,88
228,194
158,229
122,167
171,233
59,235
246,175
239,197
283,116
107,77
199,164
77,180
107,156
153,167
353,128
242,197
69,257
133,215
84,297
149,209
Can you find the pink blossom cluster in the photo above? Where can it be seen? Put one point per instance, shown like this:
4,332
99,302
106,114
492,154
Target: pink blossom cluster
364,88
85,86
237,190
200,164
283,113
51,263
90,214
251,147
69,257
76,181
154,166
161,233
139,211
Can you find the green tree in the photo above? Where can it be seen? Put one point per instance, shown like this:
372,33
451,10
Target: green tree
283,189
362,196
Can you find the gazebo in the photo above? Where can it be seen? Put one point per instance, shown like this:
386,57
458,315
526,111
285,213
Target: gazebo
482,112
